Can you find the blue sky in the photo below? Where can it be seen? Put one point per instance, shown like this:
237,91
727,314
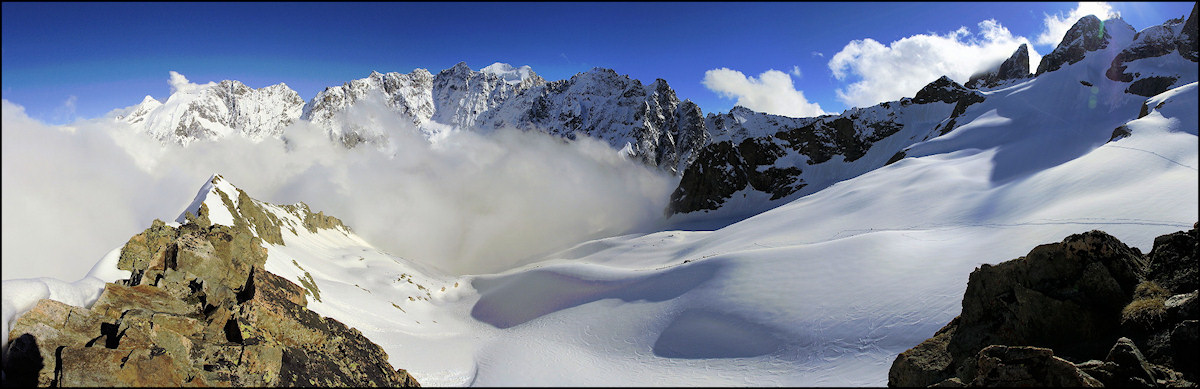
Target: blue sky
64,61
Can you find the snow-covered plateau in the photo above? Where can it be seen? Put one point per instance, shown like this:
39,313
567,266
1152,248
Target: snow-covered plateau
822,287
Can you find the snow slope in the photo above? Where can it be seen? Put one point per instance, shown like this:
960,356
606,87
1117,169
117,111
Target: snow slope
824,290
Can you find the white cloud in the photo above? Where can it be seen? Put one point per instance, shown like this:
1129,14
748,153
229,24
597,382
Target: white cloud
818,54
900,69
1056,25
179,83
469,204
772,92
796,71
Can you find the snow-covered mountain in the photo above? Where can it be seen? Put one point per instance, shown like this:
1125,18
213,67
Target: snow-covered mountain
408,95
824,290
870,223
462,95
647,122
214,111
756,161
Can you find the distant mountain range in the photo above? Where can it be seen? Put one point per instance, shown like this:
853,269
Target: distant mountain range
767,158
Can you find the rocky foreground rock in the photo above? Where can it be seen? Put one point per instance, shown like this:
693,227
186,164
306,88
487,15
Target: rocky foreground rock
1089,311
198,310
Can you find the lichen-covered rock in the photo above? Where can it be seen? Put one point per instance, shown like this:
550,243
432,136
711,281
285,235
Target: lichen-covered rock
197,310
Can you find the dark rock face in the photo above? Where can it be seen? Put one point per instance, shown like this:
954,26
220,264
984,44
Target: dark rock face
1090,299
944,90
1174,261
1014,68
198,310
1086,35
1187,43
752,162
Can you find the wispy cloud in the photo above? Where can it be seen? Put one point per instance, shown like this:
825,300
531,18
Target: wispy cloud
1056,25
179,83
900,69
65,113
772,92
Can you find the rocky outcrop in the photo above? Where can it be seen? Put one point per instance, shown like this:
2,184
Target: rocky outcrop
1016,67
197,310
1087,34
1069,314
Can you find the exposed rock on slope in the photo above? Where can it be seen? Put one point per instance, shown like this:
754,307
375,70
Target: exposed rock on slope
1016,67
1070,313
770,154
198,310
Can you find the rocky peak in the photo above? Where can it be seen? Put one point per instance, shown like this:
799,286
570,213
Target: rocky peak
1086,35
1016,67
199,309
509,74
944,90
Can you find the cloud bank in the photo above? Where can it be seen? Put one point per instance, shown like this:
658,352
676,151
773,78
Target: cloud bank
468,203
772,92
903,67
1056,25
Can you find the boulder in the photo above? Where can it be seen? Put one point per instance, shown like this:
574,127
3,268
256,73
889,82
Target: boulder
1088,298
